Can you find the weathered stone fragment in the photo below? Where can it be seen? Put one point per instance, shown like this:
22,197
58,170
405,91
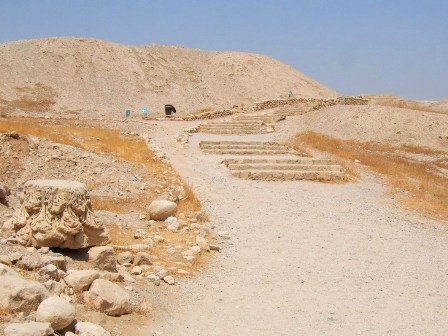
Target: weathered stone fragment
57,213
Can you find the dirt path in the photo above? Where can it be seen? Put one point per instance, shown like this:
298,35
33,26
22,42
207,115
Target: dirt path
304,258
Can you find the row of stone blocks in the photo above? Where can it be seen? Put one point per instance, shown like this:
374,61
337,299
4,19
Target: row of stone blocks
288,175
286,169
244,147
295,101
238,131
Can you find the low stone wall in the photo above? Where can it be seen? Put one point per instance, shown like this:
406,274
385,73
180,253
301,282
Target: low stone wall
208,115
273,103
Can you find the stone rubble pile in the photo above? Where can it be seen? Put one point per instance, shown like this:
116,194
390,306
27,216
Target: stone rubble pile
208,115
44,290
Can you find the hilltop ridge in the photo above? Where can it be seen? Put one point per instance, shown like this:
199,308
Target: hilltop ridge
86,75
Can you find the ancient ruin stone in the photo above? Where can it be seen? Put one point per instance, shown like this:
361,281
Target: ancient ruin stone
57,213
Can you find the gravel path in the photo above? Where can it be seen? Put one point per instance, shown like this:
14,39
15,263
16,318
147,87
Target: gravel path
304,258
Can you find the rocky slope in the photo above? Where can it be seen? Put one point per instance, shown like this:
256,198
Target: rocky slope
87,76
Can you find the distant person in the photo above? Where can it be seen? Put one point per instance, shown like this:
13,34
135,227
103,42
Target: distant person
289,93
144,111
169,109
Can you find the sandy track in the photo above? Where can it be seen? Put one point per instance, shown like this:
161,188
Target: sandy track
304,258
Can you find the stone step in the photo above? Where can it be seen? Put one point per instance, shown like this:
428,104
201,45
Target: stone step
242,146
235,131
285,167
249,143
299,161
279,175
271,119
226,126
247,151
237,123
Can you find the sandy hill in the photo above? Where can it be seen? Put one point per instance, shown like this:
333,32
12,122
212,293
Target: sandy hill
79,75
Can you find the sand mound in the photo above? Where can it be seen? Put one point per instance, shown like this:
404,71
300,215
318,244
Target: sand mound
81,75
378,123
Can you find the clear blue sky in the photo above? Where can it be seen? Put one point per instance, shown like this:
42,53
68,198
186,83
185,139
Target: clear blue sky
351,46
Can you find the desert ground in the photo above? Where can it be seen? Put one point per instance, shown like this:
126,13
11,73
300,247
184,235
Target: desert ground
313,217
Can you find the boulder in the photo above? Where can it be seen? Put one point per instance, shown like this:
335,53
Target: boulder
162,209
20,295
90,329
29,329
103,258
108,298
57,213
80,280
59,312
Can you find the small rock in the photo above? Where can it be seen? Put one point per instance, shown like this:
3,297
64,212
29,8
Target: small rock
125,257
169,280
4,259
80,280
142,258
103,258
215,247
162,209
162,273
173,227
170,220
183,272
108,298
55,287
224,234
158,239
140,233
202,243
136,270
44,250
90,329
154,279
51,272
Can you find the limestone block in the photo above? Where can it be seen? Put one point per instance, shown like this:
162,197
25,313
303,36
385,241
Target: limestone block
57,213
